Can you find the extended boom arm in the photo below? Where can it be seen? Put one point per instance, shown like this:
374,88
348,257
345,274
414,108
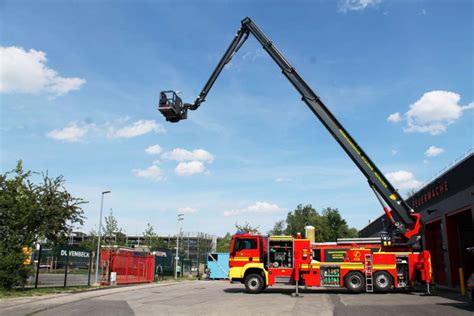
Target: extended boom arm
405,228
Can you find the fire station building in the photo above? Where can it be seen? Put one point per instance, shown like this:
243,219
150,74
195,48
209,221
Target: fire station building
446,205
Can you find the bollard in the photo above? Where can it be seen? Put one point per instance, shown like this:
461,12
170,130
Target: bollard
461,282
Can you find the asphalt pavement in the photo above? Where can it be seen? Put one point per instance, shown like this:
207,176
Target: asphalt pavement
222,298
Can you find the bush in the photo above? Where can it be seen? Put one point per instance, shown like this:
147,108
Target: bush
13,272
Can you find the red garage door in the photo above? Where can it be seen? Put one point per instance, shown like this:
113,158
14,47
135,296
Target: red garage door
434,244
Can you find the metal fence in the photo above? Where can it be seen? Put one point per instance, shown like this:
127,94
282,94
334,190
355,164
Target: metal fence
61,266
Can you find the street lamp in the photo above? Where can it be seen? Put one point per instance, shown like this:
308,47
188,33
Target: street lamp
98,242
180,218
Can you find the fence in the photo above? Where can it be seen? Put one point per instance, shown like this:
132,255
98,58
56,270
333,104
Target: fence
125,266
61,266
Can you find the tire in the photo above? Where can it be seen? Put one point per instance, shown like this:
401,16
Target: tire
382,281
354,281
254,283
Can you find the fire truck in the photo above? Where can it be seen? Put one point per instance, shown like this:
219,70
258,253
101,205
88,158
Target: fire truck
359,264
393,260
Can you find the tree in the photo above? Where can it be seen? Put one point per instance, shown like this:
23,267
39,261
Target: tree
300,217
29,213
151,238
335,226
91,242
113,234
223,244
278,229
329,225
247,228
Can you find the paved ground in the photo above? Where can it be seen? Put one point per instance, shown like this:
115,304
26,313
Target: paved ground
222,298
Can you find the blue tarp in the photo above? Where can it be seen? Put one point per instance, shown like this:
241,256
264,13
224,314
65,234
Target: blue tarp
219,267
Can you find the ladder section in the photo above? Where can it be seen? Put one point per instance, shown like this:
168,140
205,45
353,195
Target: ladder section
369,281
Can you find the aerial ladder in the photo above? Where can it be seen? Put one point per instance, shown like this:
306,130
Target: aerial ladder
403,232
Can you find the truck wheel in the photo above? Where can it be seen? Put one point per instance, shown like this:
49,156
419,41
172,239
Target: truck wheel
382,281
254,283
354,282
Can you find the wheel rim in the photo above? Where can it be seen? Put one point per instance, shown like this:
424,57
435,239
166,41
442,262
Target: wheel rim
254,283
381,281
355,282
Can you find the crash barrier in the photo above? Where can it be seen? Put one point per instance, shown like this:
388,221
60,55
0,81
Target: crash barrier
61,266
126,266
218,265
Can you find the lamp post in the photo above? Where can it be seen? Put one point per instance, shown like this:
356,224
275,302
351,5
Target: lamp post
98,242
180,218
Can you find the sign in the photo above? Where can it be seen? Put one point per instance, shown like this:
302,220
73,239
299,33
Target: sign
334,254
74,253
432,192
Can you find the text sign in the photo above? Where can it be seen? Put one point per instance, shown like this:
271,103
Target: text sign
74,253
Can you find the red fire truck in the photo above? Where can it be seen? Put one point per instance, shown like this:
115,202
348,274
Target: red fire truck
358,264
393,261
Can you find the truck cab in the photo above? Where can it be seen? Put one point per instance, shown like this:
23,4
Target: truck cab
247,259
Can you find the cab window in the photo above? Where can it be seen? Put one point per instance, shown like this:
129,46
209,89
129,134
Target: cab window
244,244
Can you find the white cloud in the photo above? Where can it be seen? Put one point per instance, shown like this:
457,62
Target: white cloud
433,151
257,208
394,118
26,72
153,172
153,150
434,111
189,168
137,128
356,5
74,131
71,133
403,180
180,154
187,210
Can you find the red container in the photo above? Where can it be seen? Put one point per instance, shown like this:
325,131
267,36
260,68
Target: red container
130,266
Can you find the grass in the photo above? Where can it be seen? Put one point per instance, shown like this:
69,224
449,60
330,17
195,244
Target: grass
27,292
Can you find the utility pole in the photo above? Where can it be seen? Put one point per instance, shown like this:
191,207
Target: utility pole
98,242
180,218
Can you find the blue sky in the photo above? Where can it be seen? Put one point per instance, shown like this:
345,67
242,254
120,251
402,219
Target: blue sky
80,83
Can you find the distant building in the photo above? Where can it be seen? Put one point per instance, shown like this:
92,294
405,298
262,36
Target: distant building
446,205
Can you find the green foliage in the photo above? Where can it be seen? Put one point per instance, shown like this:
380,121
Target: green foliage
31,212
247,228
113,234
223,244
278,229
151,238
91,242
335,226
300,217
12,270
329,225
